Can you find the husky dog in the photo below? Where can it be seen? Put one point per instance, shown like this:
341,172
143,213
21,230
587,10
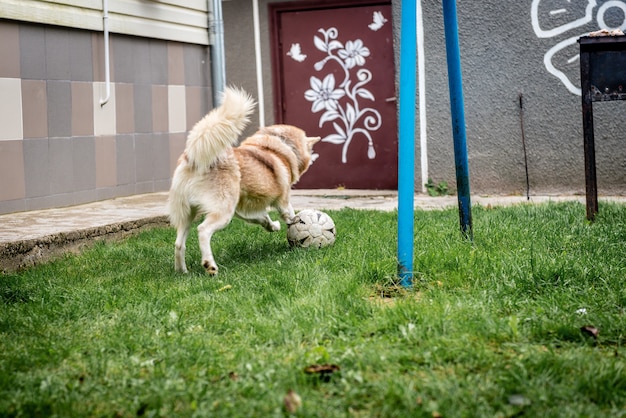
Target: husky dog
218,180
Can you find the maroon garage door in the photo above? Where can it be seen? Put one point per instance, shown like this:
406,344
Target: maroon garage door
334,77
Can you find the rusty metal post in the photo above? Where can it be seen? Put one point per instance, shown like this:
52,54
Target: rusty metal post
591,184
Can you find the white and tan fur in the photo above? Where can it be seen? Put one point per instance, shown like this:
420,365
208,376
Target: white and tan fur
218,180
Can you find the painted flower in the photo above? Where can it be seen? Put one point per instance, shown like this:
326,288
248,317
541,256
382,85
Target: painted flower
349,120
323,94
354,53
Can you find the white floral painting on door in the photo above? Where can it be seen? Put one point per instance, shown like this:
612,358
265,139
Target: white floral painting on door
343,103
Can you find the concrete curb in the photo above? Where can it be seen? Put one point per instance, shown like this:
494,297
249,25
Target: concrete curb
18,255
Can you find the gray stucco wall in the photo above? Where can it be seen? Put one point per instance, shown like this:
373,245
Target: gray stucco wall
502,56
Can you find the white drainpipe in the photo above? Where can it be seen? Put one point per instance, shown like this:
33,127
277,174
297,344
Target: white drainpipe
421,75
107,74
259,68
216,40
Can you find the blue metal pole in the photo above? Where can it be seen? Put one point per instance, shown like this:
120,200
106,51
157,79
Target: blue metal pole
455,81
406,146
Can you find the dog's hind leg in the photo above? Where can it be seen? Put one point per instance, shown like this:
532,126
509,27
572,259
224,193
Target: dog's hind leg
182,222
262,219
179,253
212,223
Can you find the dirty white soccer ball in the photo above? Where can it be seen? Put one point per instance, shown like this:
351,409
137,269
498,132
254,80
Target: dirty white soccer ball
311,229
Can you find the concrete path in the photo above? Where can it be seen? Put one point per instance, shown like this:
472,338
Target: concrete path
27,238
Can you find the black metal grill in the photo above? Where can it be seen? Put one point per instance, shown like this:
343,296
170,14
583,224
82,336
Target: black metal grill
603,78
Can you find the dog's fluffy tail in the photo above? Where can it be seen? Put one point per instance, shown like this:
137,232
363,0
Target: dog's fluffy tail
206,142
219,129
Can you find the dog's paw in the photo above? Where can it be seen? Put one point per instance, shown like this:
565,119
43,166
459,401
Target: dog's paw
180,268
211,269
272,226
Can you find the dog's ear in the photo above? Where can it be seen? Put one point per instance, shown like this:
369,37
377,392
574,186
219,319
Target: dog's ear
312,140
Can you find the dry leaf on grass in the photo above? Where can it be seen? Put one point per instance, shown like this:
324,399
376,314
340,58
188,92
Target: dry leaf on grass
324,371
292,401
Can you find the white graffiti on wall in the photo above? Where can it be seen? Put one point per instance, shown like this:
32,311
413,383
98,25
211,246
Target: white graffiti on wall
554,18
340,104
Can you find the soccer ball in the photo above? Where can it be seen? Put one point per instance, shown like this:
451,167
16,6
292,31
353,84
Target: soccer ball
311,228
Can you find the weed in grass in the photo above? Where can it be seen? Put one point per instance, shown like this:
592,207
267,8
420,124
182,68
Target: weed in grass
440,189
491,328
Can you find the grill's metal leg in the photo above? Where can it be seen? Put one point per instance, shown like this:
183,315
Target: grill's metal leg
591,185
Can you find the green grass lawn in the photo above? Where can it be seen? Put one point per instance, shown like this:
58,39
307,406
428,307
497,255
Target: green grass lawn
492,328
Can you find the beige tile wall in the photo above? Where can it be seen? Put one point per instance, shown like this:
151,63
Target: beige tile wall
59,146
82,98
177,110
104,116
10,50
35,108
125,109
12,170
106,167
160,108
11,109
